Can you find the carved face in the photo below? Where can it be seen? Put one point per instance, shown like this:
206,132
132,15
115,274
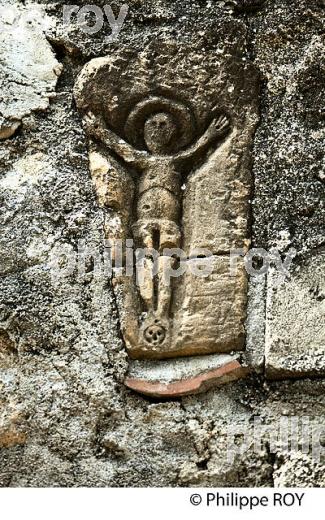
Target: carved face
159,130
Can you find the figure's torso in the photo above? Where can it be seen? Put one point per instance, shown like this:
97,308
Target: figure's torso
159,191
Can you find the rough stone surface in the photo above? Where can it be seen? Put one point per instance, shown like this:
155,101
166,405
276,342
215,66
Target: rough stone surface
29,69
66,418
295,331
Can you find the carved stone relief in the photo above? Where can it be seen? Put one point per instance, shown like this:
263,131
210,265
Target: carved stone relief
170,132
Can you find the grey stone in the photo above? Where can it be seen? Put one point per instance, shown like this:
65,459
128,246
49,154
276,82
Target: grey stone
295,317
29,70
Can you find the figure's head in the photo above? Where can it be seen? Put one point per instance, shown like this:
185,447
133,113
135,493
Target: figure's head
159,131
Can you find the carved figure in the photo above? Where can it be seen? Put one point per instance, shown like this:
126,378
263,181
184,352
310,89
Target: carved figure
162,169
171,170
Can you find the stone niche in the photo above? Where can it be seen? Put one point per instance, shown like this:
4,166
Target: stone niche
170,135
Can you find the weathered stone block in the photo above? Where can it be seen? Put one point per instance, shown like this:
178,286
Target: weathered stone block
295,321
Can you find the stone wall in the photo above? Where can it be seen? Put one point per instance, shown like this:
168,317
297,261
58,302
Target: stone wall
66,418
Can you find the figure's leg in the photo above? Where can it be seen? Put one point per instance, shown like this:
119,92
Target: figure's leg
145,281
143,231
169,239
170,235
156,236
165,264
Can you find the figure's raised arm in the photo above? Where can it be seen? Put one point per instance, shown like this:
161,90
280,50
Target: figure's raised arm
218,127
95,127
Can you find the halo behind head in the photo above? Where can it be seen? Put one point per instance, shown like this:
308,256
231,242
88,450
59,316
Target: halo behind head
172,113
